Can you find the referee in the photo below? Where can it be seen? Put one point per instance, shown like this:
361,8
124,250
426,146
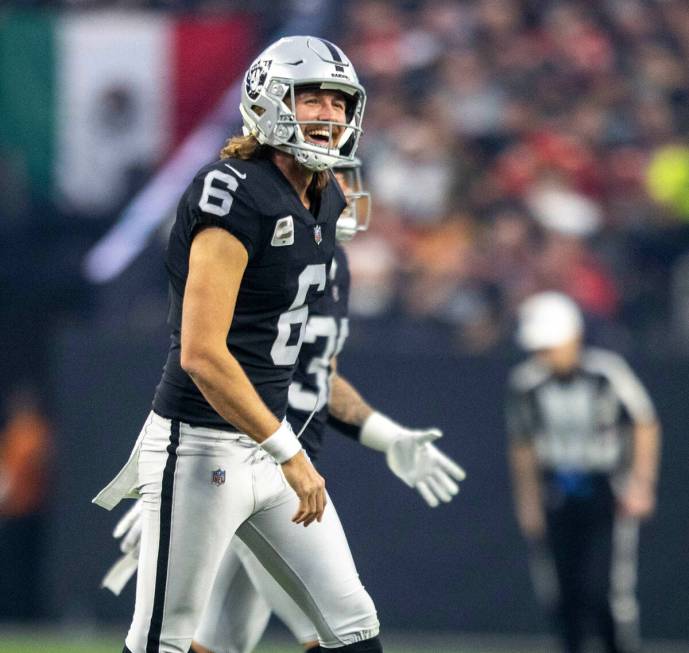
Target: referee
584,448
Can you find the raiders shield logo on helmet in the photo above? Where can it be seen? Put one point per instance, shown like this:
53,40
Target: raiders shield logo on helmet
256,77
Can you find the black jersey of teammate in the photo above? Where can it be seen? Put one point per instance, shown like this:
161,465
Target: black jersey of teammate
290,250
326,332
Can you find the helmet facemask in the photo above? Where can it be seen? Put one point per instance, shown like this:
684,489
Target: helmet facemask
357,214
277,125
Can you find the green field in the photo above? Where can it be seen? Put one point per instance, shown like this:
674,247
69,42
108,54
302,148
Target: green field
65,642
41,644
67,645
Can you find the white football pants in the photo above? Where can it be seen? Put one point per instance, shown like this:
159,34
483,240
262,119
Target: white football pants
238,610
200,486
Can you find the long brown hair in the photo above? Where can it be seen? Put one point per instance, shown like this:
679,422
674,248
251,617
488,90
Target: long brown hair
247,147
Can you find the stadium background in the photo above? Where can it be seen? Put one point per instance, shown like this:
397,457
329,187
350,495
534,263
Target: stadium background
510,146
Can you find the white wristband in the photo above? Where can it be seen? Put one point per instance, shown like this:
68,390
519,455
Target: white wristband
379,432
283,444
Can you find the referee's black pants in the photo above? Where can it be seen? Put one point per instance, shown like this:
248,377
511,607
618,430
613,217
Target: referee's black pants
580,537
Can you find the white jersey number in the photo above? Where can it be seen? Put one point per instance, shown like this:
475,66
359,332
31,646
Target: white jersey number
223,196
319,326
296,314
312,275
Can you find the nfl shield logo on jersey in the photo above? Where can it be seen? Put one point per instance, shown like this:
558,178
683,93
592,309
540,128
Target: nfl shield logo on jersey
218,477
317,234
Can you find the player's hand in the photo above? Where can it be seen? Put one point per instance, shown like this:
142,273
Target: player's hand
421,465
128,530
309,486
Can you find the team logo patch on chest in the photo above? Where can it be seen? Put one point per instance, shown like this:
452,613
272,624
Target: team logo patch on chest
317,234
283,234
218,477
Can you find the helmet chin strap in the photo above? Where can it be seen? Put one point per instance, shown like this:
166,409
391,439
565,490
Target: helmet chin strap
311,159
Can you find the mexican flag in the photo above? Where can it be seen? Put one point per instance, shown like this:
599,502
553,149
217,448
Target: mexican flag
92,101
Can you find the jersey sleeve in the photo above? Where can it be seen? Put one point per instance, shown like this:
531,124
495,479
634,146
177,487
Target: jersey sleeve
628,388
217,198
519,413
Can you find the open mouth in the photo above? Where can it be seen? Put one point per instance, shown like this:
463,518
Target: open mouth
319,136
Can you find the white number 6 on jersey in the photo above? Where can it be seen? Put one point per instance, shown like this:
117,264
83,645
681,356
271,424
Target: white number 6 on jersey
211,191
298,313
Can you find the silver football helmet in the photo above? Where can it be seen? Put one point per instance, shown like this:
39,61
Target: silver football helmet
357,214
268,98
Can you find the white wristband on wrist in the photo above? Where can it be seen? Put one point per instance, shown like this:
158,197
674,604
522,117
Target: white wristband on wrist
379,432
283,444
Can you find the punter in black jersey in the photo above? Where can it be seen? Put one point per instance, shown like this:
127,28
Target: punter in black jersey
244,594
584,454
289,248
249,253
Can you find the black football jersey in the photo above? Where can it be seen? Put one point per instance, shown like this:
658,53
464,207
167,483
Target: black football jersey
326,332
290,251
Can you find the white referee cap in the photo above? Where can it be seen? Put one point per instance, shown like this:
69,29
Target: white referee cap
548,319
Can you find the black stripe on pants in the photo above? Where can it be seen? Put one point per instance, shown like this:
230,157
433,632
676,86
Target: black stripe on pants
166,492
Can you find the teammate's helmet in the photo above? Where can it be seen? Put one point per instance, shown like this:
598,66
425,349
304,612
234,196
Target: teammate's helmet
272,79
357,214
548,319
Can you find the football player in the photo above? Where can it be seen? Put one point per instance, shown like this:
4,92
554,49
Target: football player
244,594
248,255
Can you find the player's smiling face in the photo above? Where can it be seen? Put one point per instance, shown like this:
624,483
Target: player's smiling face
323,106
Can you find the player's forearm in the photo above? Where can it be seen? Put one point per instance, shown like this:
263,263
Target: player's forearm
354,418
229,391
646,454
346,404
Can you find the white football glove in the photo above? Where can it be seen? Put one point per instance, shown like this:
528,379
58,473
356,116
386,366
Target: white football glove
412,458
129,530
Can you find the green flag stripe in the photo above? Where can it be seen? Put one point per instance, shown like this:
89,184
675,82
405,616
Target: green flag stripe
27,92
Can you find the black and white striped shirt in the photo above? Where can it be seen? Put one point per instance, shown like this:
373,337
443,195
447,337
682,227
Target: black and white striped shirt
581,422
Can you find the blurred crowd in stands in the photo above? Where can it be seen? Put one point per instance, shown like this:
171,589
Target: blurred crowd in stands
513,146
510,146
